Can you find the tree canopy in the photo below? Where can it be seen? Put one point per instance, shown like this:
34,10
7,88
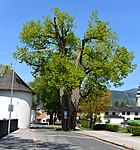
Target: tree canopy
101,59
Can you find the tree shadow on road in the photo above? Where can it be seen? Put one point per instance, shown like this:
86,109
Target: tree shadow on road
16,143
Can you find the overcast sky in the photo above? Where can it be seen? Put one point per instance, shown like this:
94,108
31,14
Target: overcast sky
123,17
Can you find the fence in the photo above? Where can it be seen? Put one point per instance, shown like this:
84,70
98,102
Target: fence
4,127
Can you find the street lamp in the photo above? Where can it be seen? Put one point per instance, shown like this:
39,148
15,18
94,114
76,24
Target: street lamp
12,85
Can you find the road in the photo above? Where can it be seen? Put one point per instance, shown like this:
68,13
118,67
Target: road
49,139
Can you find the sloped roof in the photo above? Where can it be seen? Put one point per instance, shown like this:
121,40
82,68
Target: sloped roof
124,109
19,84
41,116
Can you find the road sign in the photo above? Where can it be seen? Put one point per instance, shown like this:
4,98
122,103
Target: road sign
65,113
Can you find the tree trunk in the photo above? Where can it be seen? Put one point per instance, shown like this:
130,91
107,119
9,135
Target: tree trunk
94,120
51,119
68,111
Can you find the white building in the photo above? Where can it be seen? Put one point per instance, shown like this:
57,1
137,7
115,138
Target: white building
128,113
116,115
21,101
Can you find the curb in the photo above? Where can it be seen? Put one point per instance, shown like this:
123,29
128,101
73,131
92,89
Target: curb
128,148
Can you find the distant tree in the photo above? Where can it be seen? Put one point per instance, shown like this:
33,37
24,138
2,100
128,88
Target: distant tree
3,69
48,94
95,103
121,103
116,103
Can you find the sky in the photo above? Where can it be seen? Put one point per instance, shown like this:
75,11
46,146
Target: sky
123,17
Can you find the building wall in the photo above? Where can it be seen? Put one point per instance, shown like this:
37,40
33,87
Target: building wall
127,116
116,120
138,101
132,116
21,107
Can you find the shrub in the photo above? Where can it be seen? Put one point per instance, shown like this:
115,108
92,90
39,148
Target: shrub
111,127
136,130
84,123
129,129
135,124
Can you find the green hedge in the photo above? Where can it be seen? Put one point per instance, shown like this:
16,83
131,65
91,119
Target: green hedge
134,122
136,130
108,127
84,123
113,128
129,129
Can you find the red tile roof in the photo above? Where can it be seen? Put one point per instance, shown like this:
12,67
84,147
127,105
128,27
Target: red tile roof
43,115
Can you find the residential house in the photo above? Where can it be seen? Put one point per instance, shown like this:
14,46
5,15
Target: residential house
43,118
116,115
21,99
119,114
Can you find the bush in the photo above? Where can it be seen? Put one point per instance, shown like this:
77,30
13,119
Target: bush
135,124
136,130
129,129
84,123
111,127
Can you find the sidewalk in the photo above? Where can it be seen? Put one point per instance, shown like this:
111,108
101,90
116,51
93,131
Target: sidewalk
125,140
20,139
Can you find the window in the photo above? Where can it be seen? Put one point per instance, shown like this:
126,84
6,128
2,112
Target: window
128,113
136,113
123,113
113,113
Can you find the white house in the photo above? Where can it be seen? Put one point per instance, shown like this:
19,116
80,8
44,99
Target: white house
21,101
118,114
43,118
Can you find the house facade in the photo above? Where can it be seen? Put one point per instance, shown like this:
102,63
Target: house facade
43,118
120,114
21,99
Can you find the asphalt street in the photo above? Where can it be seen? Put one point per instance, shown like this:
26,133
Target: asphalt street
49,139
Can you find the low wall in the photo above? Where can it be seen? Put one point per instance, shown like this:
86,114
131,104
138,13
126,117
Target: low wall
4,126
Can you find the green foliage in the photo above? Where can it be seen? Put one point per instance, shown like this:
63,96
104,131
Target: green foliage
84,123
121,103
3,69
129,129
127,97
134,122
113,128
38,113
136,130
96,102
91,63
122,129
47,93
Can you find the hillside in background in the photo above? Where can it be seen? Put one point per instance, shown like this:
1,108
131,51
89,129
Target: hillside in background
128,96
